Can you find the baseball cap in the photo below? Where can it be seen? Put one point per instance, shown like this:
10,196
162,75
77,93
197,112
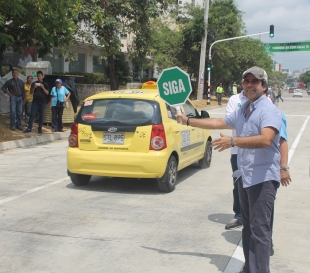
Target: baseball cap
257,72
59,80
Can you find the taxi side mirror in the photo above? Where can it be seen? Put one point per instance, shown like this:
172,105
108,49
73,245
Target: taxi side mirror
204,114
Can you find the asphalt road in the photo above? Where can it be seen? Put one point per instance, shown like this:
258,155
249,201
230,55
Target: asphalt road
125,225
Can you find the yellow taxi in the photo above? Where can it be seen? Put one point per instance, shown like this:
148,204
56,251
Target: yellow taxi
134,134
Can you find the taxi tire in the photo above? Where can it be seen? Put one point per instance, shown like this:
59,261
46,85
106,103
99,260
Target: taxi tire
167,182
79,179
205,162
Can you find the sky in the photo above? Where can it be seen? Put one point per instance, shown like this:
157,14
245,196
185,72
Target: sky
291,20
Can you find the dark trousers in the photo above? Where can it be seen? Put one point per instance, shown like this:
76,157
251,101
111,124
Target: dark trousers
257,204
37,106
219,98
57,113
236,203
27,110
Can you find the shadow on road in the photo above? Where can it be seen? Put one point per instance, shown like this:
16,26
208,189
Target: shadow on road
220,261
132,185
221,218
232,236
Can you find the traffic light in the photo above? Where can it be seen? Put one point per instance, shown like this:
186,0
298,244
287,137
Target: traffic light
209,63
271,32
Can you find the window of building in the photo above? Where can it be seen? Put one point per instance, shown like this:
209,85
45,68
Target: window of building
79,64
123,35
99,64
55,60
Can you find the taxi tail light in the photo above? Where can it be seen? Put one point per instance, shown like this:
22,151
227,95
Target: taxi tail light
73,138
158,138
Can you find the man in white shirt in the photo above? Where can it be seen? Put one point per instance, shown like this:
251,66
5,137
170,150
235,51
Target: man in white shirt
234,103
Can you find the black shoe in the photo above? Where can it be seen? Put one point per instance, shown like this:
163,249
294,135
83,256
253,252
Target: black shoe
40,131
235,223
20,128
27,131
12,128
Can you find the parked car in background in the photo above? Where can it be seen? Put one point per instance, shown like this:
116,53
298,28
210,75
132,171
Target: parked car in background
308,91
297,93
134,134
291,90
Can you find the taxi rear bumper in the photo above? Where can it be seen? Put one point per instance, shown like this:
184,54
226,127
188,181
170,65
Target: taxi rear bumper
121,164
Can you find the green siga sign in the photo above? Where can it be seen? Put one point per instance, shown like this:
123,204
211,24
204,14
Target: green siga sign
174,86
287,47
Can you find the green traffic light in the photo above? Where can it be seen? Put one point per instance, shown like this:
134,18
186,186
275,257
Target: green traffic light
271,31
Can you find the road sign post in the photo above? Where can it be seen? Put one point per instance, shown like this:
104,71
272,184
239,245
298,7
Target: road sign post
174,86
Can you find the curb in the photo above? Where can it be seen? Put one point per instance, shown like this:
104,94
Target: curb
34,140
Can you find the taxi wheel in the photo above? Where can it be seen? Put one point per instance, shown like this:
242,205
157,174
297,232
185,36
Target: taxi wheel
79,179
205,162
168,181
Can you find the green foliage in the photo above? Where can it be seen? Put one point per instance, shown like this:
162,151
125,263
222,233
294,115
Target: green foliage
305,77
165,44
107,19
192,34
41,23
276,77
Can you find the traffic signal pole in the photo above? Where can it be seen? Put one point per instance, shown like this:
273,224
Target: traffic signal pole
223,40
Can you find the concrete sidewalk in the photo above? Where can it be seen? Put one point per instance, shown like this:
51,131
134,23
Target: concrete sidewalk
33,140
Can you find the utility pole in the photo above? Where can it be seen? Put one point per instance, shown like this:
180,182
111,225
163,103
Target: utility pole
201,76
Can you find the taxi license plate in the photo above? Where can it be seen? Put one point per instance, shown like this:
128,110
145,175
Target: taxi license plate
110,138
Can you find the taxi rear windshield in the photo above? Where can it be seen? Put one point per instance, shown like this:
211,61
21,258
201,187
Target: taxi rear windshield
119,112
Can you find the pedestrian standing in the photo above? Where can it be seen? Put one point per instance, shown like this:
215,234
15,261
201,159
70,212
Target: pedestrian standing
235,90
219,93
59,96
40,91
257,124
14,88
28,99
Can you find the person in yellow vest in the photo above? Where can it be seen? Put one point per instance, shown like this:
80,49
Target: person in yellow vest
235,91
219,93
28,98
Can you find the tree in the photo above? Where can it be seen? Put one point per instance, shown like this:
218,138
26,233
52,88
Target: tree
108,19
38,23
305,77
276,77
165,44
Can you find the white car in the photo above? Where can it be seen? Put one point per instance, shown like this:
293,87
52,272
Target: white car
297,93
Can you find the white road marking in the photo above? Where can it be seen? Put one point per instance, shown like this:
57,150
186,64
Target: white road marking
14,197
295,143
237,259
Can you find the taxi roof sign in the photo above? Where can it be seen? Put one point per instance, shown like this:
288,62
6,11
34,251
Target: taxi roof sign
149,85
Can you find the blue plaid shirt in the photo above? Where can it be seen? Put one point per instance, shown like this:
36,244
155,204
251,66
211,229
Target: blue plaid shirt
257,165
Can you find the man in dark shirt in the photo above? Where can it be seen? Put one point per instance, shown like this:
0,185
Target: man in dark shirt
14,88
40,91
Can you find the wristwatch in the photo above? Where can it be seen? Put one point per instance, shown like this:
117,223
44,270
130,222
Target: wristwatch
284,168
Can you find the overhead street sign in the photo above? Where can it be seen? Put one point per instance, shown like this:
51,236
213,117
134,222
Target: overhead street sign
287,47
174,86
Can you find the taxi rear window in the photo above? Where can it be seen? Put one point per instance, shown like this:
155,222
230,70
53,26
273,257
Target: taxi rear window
119,112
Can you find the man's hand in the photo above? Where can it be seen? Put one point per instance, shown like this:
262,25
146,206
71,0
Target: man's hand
285,178
222,143
182,117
